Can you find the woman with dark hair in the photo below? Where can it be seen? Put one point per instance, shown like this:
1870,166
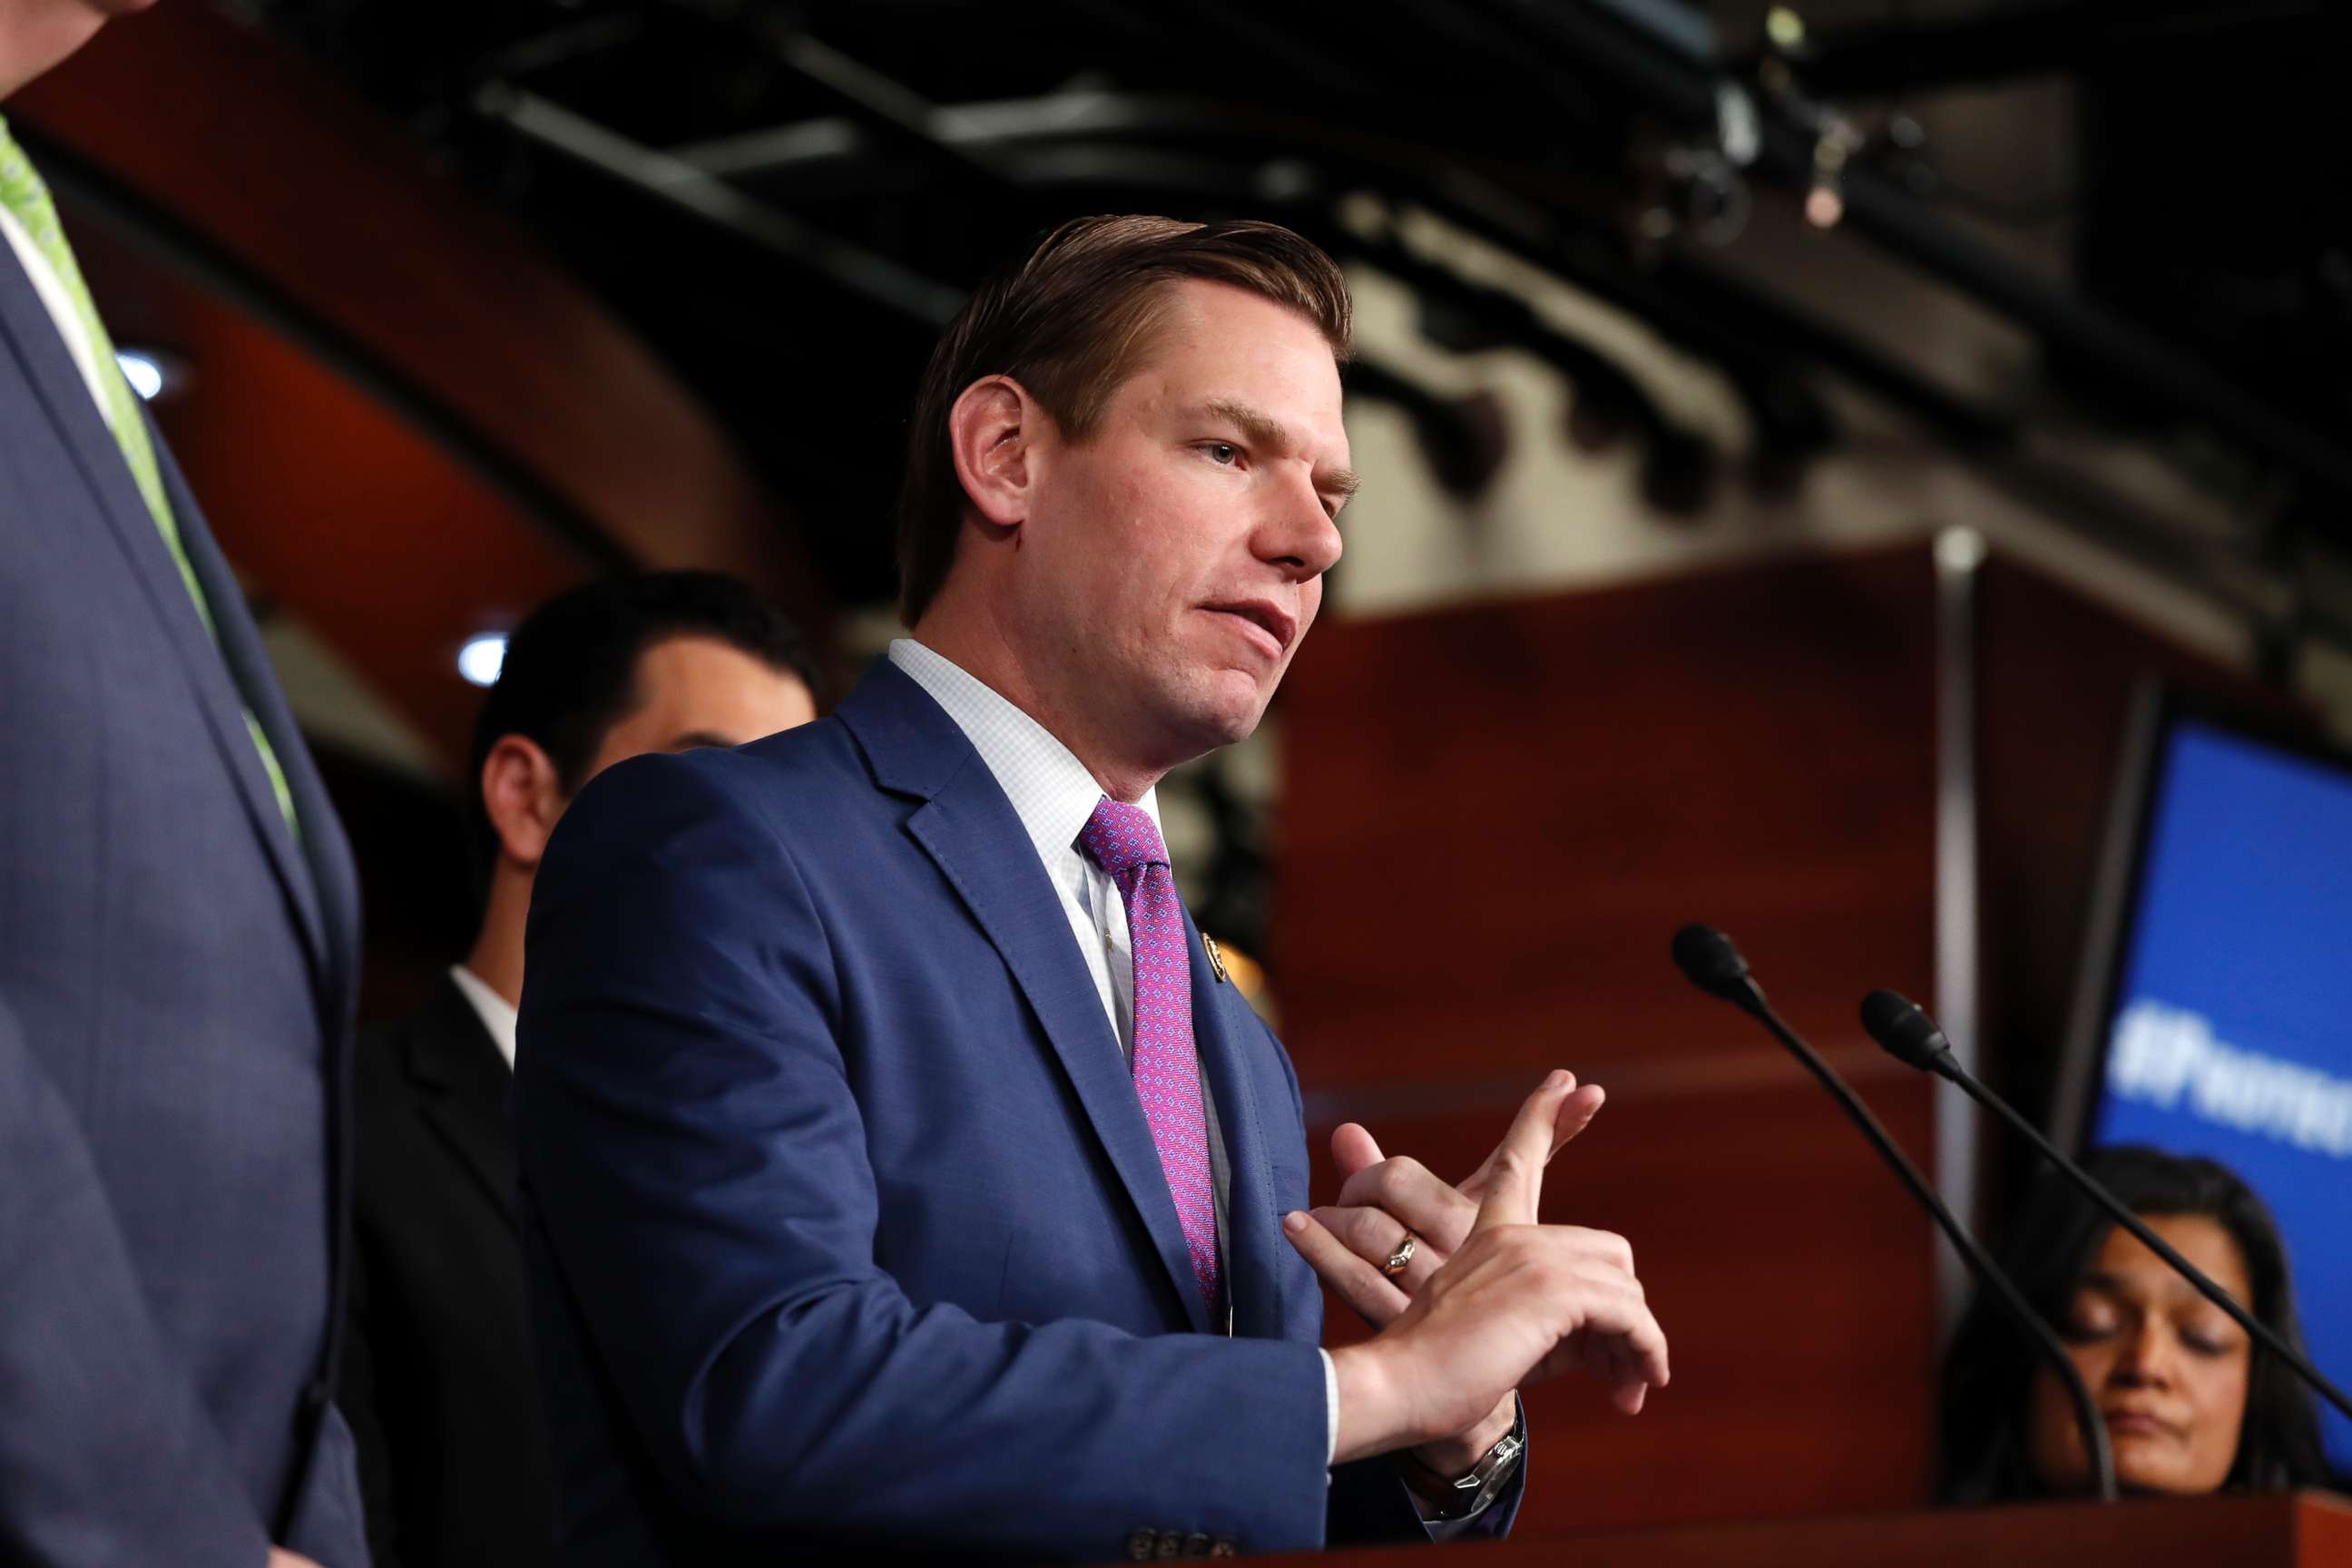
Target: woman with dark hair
2190,1403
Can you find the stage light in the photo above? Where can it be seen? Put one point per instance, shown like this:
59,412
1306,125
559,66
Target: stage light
1959,549
1839,140
481,659
143,371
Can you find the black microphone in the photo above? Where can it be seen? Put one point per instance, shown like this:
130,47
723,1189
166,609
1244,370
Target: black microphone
1709,961
1911,1037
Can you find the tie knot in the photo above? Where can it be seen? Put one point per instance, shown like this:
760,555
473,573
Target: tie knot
1119,837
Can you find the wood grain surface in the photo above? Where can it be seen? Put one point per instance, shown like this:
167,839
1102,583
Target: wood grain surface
1495,818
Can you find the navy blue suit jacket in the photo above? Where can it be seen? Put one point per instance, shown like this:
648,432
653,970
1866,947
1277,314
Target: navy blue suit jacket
845,1224
177,976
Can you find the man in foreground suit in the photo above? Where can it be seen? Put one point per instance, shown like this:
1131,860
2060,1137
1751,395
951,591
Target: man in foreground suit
179,933
902,1174
437,1379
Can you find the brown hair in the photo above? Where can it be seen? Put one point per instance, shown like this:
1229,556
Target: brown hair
1071,323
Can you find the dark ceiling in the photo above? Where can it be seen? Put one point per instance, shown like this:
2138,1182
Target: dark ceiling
786,200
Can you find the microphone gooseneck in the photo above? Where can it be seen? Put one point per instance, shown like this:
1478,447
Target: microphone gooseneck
1709,961
1902,1028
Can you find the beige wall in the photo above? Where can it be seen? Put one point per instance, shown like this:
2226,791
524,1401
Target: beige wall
1557,519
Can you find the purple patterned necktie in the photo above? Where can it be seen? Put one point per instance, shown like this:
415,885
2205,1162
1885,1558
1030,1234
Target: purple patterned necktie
1121,839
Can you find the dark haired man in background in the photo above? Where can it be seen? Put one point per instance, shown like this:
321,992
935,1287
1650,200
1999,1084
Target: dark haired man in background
438,1383
900,1173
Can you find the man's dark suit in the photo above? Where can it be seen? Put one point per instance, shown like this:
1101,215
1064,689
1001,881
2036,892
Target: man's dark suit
437,1381
176,979
844,1223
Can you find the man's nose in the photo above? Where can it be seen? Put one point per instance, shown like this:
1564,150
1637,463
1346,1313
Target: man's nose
1299,534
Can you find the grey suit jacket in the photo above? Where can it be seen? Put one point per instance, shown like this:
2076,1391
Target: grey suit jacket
176,982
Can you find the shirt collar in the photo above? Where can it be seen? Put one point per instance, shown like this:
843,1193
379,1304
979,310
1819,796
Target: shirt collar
496,1013
1050,789
62,312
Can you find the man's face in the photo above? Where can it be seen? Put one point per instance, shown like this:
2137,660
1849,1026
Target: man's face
1175,561
37,36
699,691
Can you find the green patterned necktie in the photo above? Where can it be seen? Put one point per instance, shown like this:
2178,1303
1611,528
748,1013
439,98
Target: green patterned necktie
27,199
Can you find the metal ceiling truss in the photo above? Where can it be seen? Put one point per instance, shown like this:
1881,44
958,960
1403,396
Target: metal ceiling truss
1647,48
2019,41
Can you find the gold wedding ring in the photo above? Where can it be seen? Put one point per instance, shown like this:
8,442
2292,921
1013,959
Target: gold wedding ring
1402,1255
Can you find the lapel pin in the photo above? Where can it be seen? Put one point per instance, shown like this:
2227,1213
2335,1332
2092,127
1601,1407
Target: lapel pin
1216,958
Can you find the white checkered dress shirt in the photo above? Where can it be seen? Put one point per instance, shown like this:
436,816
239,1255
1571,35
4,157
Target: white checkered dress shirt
1053,794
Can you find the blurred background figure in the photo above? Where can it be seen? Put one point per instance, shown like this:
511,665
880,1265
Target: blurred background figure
2191,1405
179,953
438,1382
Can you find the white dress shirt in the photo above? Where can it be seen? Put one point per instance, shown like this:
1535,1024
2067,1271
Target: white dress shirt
69,324
496,1013
1054,795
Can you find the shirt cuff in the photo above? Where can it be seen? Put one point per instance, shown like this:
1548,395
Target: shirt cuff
1330,1409
1438,1529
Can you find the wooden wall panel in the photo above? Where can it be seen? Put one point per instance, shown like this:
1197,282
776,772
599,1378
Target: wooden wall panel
335,211
1493,820
387,547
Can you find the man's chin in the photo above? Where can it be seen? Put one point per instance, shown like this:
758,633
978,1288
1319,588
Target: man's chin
1227,711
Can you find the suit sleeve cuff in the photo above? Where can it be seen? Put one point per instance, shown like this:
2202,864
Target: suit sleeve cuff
1455,1528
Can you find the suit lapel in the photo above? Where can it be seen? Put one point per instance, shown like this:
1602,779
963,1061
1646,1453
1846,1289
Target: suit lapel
972,833
317,872
461,1083
1226,1032
49,366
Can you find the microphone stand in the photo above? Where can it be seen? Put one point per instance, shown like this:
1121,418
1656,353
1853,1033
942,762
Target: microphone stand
1709,961
1923,1046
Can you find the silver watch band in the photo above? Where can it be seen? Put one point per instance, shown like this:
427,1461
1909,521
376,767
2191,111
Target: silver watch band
1478,1487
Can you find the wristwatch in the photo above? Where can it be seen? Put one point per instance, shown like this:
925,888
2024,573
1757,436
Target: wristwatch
1467,1493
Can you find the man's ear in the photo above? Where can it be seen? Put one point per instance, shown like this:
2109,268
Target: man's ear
992,430
523,797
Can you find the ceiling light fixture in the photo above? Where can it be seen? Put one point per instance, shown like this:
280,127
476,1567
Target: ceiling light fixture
484,655
145,371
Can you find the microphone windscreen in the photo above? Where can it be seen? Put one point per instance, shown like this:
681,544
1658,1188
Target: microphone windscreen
1709,961
1907,1035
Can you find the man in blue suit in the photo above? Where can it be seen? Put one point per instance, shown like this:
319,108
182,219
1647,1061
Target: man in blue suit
903,1173
178,942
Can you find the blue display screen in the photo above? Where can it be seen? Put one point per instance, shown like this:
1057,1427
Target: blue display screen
2231,1033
